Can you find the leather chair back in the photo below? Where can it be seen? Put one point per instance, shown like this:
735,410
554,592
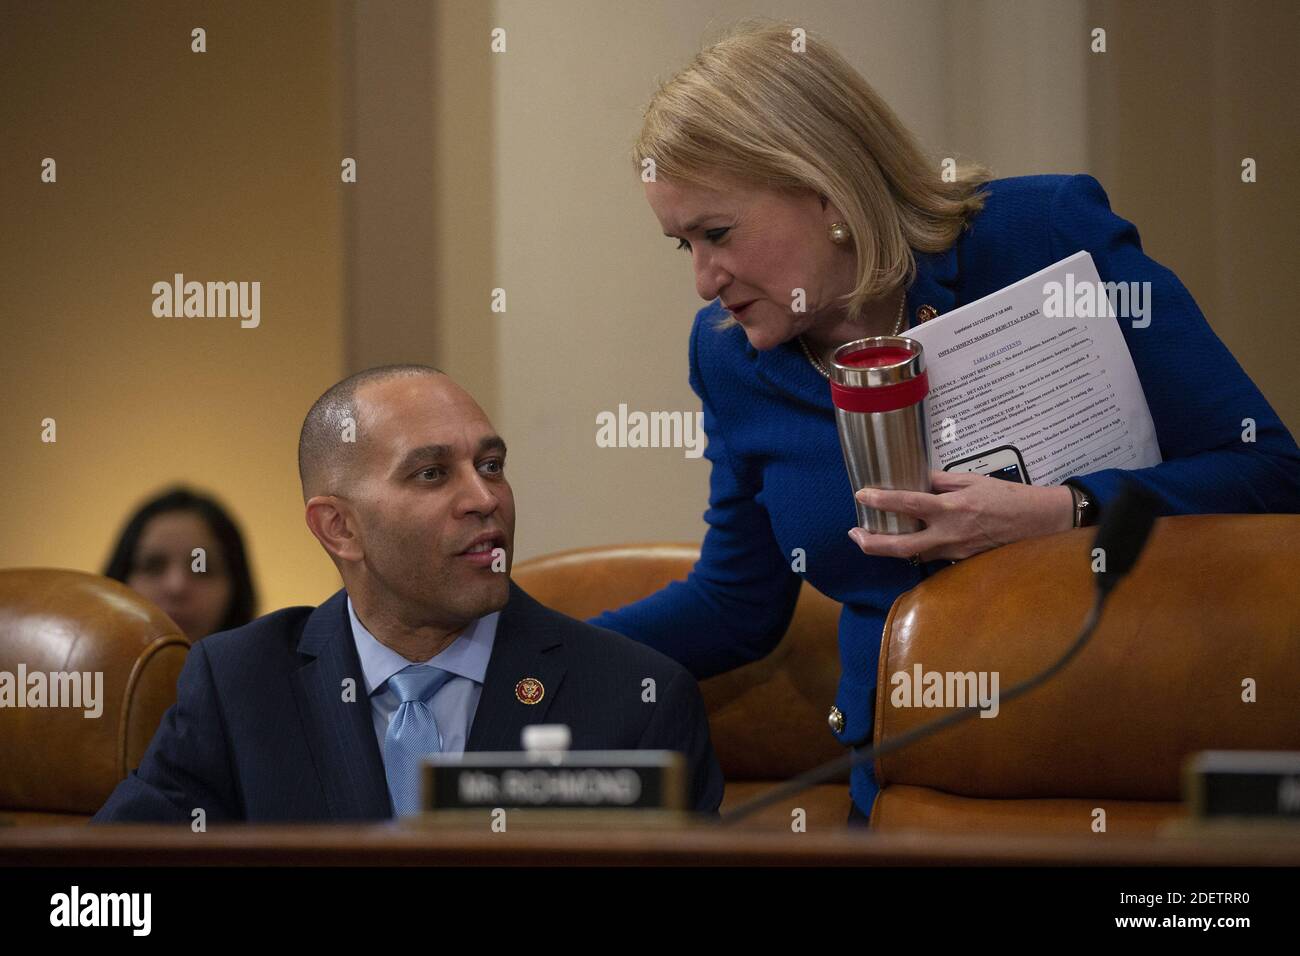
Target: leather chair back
59,765
1209,609
768,718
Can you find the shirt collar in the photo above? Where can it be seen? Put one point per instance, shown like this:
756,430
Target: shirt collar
467,656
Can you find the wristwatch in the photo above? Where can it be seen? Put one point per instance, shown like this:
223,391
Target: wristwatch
1085,509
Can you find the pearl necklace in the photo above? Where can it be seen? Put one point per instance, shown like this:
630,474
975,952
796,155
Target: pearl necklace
898,327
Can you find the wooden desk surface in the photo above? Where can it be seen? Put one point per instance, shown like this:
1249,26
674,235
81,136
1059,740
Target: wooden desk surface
391,844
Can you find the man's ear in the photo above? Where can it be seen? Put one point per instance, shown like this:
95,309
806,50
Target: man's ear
335,526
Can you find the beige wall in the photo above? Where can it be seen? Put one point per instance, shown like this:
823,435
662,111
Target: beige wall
222,166
418,224
1183,94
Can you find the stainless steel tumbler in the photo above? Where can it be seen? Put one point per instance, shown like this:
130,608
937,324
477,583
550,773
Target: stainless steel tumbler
879,388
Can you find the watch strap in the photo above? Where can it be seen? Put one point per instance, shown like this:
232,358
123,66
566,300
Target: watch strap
1085,509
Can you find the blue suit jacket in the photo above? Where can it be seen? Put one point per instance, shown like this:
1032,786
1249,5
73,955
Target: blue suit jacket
778,481
260,731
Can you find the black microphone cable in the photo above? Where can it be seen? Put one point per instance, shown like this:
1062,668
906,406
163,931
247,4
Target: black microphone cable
1121,537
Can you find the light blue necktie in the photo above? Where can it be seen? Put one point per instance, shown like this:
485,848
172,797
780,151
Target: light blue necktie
412,733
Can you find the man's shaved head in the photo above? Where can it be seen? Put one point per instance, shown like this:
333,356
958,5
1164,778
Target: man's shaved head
326,462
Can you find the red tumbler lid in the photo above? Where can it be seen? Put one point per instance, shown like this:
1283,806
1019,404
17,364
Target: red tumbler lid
879,374
876,356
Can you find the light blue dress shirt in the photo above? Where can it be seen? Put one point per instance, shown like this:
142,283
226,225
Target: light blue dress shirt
455,702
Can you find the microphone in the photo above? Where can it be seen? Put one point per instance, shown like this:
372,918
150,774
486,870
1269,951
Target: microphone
1125,526
1123,533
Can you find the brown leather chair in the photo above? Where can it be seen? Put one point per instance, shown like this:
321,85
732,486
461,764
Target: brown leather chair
59,766
1211,602
768,718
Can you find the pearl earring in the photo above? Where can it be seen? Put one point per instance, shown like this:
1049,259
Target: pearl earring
839,233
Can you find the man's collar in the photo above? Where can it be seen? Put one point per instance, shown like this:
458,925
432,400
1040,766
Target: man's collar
466,656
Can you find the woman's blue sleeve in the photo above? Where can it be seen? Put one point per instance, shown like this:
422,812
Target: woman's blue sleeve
1224,448
736,603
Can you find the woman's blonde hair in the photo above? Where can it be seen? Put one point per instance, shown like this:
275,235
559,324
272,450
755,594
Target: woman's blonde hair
751,109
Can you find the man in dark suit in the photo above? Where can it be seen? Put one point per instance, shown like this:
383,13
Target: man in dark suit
320,714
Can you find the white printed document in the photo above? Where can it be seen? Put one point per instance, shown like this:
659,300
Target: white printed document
1039,372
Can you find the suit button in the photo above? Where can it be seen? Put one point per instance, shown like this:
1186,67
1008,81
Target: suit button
836,720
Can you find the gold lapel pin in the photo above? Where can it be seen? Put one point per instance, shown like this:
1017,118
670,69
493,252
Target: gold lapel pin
530,691
925,313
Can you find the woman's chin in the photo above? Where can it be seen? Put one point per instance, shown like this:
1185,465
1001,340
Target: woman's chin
764,339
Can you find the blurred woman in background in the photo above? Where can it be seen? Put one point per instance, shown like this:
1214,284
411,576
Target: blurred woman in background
154,556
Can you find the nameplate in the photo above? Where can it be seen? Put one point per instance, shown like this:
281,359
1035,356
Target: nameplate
1244,784
571,780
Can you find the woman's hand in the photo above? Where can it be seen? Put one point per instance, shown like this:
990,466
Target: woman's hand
967,514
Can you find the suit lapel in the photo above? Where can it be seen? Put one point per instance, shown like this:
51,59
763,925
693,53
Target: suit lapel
340,733
527,645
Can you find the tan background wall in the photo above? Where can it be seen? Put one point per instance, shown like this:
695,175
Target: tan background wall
221,166
1185,92
481,170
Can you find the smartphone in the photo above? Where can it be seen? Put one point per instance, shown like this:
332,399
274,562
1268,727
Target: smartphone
1002,462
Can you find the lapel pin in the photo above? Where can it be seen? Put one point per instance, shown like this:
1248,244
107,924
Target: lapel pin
530,691
925,313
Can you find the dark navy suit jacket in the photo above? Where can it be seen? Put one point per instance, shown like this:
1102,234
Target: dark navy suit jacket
261,732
